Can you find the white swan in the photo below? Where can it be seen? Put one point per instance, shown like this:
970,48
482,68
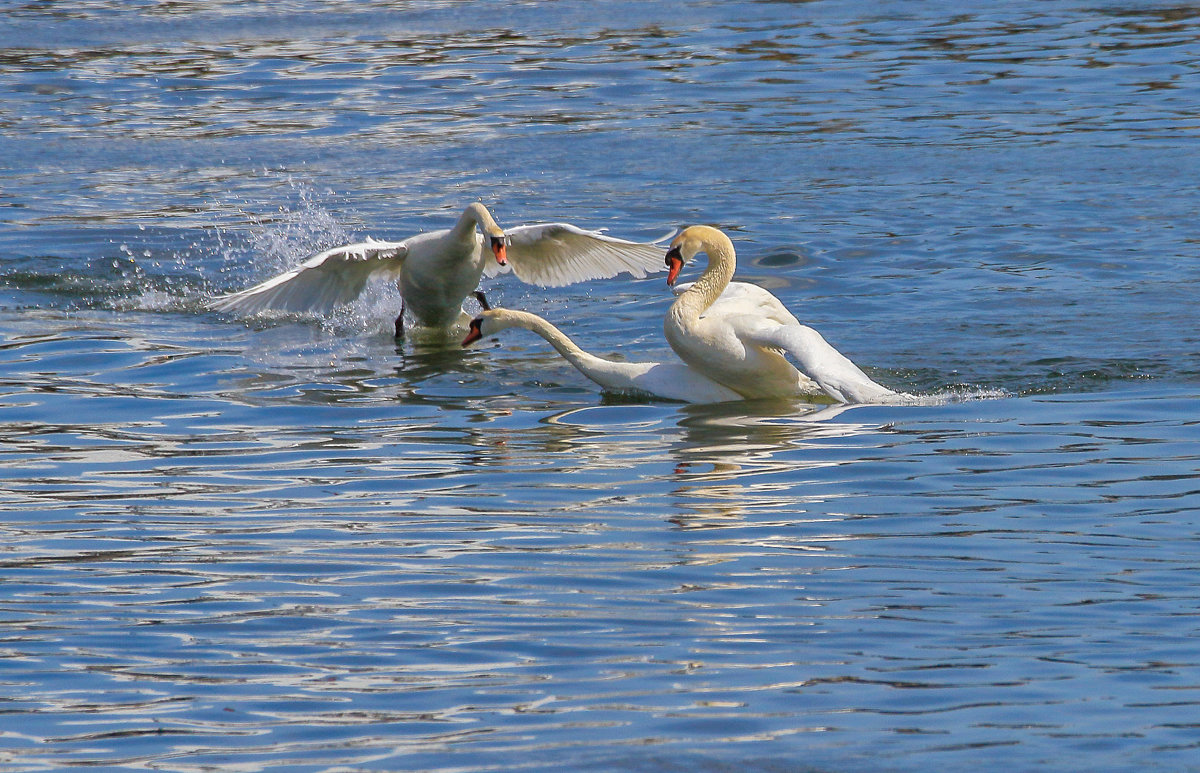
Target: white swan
668,380
435,271
740,335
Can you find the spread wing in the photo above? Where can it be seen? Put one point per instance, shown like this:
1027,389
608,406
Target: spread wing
837,376
321,283
557,254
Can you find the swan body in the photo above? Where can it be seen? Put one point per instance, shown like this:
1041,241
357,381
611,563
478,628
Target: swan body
435,271
743,337
667,380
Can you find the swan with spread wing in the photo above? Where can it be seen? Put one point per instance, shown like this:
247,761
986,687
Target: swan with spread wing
436,271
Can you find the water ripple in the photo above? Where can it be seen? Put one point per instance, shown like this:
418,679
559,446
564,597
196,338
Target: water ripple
297,543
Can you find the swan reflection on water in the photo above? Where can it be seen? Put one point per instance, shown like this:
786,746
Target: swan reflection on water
732,467
727,460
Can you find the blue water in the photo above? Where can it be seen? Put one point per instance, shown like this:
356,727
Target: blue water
286,542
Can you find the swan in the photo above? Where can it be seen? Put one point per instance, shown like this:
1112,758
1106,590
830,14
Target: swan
435,271
666,380
742,336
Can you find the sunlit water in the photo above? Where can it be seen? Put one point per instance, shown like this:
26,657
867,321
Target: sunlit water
296,543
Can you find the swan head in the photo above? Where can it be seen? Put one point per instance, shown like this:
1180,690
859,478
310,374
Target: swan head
691,240
683,249
489,323
492,232
674,264
499,248
474,332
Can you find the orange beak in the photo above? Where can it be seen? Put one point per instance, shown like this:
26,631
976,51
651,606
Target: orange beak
500,250
674,266
474,334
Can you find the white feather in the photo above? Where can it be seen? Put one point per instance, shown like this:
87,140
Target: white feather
321,283
557,254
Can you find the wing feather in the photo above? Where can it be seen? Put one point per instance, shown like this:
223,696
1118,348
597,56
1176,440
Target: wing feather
321,283
837,376
557,254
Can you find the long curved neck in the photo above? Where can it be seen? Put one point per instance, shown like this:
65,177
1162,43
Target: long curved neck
716,277
555,337
614,375
474,215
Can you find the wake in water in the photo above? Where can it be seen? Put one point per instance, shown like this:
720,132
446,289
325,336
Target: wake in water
957,394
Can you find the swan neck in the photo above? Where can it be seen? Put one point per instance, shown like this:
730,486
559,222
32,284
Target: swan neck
567,348
475,215
716,277
555,337
606,373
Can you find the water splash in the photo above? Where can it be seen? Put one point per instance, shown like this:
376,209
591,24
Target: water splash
273,242
956,394
277,241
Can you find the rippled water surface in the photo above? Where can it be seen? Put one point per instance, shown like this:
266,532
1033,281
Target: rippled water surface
286,542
